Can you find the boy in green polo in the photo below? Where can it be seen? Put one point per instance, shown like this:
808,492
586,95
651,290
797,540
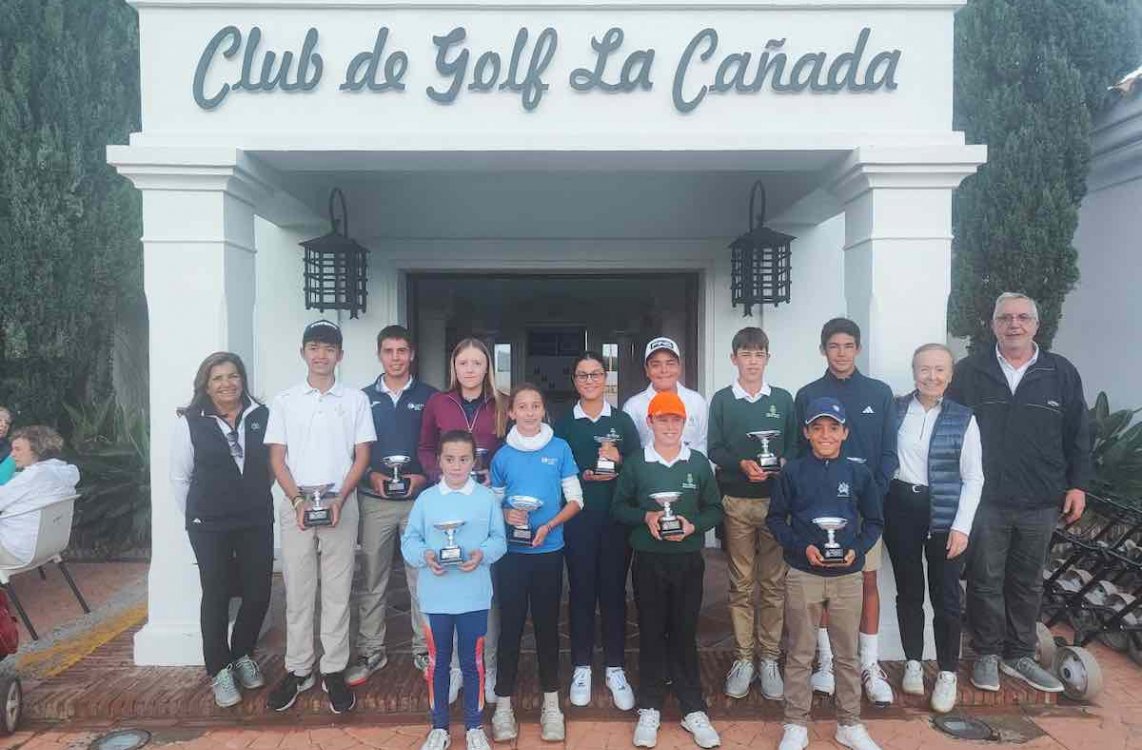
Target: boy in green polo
751,405
668,567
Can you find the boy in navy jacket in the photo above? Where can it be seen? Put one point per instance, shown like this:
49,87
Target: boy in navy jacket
818,485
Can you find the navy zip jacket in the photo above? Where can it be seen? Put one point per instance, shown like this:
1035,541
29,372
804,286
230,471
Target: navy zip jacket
809,487
398,426
1036,441
871,421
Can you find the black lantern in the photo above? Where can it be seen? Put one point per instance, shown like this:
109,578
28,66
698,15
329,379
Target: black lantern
760,261
336,267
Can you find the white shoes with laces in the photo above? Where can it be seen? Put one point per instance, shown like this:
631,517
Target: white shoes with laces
621,692
700,728
855,737
876,686
796,737
945,692
646,731
822,679
580,693
437,739
913,681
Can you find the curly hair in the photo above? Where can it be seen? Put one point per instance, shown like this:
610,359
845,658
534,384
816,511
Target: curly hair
43,441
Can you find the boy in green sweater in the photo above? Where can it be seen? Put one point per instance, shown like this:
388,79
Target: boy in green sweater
751,421
668,566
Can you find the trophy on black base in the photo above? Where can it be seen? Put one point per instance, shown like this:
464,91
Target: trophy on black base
317,514
668,524
479,466
523,535
766,458
450,553
396,486
603,465
831,552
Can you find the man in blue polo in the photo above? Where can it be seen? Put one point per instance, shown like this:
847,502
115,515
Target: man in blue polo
871,441
396,400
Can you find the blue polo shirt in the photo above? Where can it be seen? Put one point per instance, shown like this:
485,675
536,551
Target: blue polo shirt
540,474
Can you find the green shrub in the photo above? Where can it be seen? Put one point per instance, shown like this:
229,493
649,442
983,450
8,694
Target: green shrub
1117,452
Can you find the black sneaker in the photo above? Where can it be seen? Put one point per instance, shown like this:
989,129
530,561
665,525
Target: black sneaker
341,698
285,692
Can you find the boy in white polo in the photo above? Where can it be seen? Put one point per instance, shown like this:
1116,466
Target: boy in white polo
319,433
663,363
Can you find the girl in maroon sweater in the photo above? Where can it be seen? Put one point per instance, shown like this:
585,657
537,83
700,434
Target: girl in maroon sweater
471,403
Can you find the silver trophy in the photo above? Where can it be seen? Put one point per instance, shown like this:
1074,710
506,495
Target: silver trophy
766,458
317,514
605,465
449,554
668,524
832,552
523,535
396,486
479,465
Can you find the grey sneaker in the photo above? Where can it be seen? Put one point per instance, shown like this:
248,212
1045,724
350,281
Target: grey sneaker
225,689
248,673
360,672
1027,669
985,673
772,686
437,739
739,678
475,739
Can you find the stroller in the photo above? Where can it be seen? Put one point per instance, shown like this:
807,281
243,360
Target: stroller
11,692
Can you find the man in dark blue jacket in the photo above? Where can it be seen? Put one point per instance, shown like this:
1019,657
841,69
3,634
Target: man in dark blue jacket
396,400
872,442
1036,439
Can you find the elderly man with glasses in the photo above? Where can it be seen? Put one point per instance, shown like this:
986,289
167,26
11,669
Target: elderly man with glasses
1036,462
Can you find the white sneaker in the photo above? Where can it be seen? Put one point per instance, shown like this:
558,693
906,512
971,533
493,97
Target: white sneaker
944,693
455,682
699,726
876,686
475,739
796,737
490,696
646,731
739,679
437,739
581,686
551,728
772,686
504,727
855,736
621,692
822,680
913,681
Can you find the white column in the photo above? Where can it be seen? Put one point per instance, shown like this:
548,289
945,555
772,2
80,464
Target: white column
897,252
198,249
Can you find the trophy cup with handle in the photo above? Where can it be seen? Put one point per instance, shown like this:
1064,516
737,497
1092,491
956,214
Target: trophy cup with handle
831,552
605,466
317,514
668,524
766,458
450,553
396,486
523,535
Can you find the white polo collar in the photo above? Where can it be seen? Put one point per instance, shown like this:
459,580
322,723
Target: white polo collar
383,387
578,412
652,456
742,393
468,488
338,390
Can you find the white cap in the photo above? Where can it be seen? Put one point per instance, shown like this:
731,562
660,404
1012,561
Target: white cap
662,344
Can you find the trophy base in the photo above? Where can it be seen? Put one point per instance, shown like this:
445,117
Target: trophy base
833,557
396,489
318,517
449,556
669,527
520,536
604,467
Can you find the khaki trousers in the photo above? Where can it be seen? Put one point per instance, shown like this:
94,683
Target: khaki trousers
323,554
806,596
754,559
382,524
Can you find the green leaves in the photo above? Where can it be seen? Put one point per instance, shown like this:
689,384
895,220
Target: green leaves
1117,451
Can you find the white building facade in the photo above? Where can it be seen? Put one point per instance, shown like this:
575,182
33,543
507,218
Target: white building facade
532,172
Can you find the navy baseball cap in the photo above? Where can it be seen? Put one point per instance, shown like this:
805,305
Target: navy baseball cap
323,331
825,406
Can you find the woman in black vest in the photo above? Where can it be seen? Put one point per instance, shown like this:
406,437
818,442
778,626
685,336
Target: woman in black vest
928,514
220,472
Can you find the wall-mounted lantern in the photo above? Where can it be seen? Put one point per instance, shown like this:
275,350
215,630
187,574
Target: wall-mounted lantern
336,267
760,261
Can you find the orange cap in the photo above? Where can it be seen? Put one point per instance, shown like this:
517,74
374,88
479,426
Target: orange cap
666,402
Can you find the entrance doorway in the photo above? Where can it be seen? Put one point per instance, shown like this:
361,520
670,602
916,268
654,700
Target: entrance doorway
536,325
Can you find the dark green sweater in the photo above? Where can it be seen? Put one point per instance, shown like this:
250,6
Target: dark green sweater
580,435
731,418
700,502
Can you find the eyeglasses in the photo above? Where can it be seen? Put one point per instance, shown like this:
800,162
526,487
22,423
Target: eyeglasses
235,446
590,377
1007,320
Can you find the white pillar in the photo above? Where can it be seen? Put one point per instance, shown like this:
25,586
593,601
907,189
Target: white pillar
897,252
198,250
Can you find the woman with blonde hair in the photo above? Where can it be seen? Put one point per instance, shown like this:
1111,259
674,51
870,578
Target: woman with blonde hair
473,404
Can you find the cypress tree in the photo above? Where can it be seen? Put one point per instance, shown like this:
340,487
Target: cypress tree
1030,74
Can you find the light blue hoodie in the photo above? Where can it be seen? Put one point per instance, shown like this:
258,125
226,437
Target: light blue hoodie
455,592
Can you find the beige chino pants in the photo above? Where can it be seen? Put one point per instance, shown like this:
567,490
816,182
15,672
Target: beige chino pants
754,559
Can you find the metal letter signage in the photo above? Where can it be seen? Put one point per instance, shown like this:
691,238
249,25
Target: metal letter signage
699,70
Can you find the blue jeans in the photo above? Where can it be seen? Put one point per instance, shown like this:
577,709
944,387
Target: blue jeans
469,629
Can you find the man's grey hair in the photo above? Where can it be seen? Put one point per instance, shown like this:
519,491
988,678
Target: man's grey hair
1008,296
932,348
